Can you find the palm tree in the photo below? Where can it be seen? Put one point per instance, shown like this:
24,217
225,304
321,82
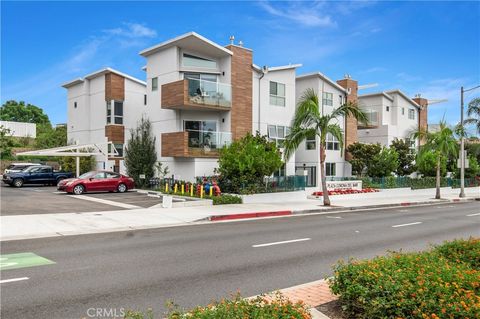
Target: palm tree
473,111
308,121
442,143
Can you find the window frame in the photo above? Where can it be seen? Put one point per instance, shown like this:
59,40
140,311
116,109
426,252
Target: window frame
311,140
331,143
155,84
118,116
327,99
197,57
275,97
328,169
277,139
411,114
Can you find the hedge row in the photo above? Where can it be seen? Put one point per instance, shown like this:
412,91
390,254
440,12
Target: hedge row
237,308
441,283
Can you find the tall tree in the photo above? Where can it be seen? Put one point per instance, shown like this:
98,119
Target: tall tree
406,157
473,113
48,137
140,154
362,155
21,112
384,163
308,121
442,144
6,143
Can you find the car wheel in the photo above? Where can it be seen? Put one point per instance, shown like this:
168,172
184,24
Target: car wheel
78,189
18,182
122,188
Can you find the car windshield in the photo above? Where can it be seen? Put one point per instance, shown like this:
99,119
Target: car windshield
86,175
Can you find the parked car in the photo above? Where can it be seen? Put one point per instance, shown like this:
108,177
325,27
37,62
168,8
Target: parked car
97,181
38,174
17,167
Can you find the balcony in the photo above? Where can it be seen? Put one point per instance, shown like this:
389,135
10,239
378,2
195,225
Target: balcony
194,94
372,117
194,143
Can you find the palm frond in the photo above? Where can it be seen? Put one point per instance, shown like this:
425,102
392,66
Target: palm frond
337,133
296,136
351,109
307,111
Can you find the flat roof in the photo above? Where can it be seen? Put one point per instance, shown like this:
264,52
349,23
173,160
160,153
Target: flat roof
99,73
388,94
190,40
277,68
323,77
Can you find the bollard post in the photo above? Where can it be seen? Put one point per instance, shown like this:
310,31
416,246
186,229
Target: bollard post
191,190
176,188
201,191
183,189
166,187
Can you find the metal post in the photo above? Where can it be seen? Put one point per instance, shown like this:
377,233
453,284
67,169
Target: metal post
462,149
77,165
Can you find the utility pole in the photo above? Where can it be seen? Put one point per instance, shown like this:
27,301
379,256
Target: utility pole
462,149
462,142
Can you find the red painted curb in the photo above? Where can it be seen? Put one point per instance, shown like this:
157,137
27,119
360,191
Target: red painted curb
456,200
250,215
405,204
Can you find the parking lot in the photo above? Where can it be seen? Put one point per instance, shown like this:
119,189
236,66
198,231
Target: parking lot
34,199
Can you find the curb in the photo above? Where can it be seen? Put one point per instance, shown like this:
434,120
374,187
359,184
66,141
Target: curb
214,218
250,215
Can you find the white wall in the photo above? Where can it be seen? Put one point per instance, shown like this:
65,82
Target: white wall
20,129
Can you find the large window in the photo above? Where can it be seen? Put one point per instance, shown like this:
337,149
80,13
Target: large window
411,114
330,169
332,143
277,94
327,98
154,84
277,134
198,62
201,133
118,148
117,112
311,143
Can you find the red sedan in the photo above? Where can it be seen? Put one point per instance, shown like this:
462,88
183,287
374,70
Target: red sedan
96,181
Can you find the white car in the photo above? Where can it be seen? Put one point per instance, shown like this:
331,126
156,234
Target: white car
18,167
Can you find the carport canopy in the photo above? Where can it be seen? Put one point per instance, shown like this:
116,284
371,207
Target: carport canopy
77,151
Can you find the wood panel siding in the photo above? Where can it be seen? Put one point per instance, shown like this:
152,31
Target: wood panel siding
351,124
175,144
175,96
115,133
422,116
114,87
242,77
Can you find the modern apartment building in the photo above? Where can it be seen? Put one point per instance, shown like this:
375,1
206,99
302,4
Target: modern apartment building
392,115
102,107
333,95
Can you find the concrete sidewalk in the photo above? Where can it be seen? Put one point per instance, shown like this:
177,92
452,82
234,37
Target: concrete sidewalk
48,225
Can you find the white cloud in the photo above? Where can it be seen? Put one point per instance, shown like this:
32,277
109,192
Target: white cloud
132,30
403,76
309,16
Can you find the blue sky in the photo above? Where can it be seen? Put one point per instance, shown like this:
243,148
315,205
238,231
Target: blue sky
431,48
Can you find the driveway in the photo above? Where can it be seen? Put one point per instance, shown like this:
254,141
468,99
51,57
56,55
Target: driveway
32,199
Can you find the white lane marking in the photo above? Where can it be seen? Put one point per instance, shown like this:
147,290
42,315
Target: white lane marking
13,279
476,214
104,201
281,242
409,224
357,231
336,217
403,210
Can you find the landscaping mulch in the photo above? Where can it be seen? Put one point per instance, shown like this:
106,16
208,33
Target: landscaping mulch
332,309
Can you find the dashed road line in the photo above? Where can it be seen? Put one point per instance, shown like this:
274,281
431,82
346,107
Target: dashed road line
476,214
104,201
13,280
281,242
409,224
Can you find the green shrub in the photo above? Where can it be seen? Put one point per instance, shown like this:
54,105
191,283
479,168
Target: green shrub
260,307
413,285
465,251
225,199
428,182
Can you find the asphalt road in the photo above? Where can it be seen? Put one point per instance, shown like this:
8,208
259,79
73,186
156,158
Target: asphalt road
38,199
195,264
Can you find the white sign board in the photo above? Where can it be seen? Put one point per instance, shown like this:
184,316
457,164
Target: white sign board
142,176
331,185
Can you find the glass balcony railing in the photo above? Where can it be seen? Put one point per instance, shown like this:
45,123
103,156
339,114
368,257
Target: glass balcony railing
209,93
208,140
372,117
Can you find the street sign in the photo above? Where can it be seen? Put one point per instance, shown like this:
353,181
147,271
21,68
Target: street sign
142,176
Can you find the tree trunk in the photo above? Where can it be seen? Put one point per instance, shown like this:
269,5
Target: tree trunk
326,199
437,182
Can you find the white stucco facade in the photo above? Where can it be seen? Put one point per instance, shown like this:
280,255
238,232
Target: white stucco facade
392,116
308,154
